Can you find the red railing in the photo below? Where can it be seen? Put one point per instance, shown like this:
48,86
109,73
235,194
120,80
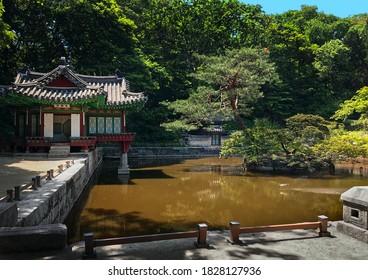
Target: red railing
37,142
236,230
83,141
108,137
90,243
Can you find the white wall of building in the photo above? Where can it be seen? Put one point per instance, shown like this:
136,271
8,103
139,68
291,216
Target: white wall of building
75,125
49,125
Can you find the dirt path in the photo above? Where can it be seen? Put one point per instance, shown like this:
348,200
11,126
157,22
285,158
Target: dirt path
17,170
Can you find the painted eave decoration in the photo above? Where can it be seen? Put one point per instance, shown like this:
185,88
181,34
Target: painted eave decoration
63,85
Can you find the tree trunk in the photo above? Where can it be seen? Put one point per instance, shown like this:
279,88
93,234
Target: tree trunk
234,108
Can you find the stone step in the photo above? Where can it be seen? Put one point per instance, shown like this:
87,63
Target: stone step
59,151
62,148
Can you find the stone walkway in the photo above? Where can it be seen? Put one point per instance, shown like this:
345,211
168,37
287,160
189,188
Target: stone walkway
281,245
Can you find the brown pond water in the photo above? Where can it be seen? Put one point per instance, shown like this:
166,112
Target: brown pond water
177,195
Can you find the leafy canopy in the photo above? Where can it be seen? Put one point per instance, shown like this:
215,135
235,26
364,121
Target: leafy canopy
229,86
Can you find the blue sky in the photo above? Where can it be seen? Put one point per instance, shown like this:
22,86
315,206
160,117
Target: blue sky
340,8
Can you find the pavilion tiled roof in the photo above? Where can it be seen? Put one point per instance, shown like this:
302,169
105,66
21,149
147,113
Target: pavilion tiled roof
75,87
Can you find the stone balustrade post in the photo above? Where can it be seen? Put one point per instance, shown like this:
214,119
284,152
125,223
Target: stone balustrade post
38,181
48,177
17,193
10,195
34,183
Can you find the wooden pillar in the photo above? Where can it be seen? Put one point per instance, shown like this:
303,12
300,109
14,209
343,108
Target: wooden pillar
202,236
123,123
89,251
42,124
16,123
323,232
82,123
28,128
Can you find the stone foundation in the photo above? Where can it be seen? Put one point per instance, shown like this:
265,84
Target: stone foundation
40,212
355,213
353,231
8,214
52,202
36,238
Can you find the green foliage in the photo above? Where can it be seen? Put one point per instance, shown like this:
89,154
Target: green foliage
266,143
204,60
307,123
6,35
344,144
357,104
230,84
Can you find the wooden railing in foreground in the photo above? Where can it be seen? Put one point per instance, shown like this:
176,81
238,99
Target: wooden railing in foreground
91,243
236,230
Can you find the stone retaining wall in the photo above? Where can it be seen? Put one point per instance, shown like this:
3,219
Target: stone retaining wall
167,152
52,202
29,239
41,212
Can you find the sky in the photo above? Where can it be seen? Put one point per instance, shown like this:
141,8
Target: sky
340,8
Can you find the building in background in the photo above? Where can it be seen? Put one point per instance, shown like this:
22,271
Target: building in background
63,111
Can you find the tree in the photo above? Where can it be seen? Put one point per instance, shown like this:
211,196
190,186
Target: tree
332,62
265,143
255,143
344,144
6,39
230,84
6,35
358,105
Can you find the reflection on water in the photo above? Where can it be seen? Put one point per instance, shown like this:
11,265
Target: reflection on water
176,195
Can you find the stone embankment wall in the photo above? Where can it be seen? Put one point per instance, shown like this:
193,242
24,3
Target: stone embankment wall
165,152
52,202
38,216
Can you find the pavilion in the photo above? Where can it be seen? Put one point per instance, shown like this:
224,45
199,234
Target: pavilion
62,109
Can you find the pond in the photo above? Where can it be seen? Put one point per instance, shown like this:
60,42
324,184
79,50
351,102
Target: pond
176,195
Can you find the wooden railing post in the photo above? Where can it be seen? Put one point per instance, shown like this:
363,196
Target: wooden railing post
89,252
202,236
234,232
17,193
48,177
323,232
